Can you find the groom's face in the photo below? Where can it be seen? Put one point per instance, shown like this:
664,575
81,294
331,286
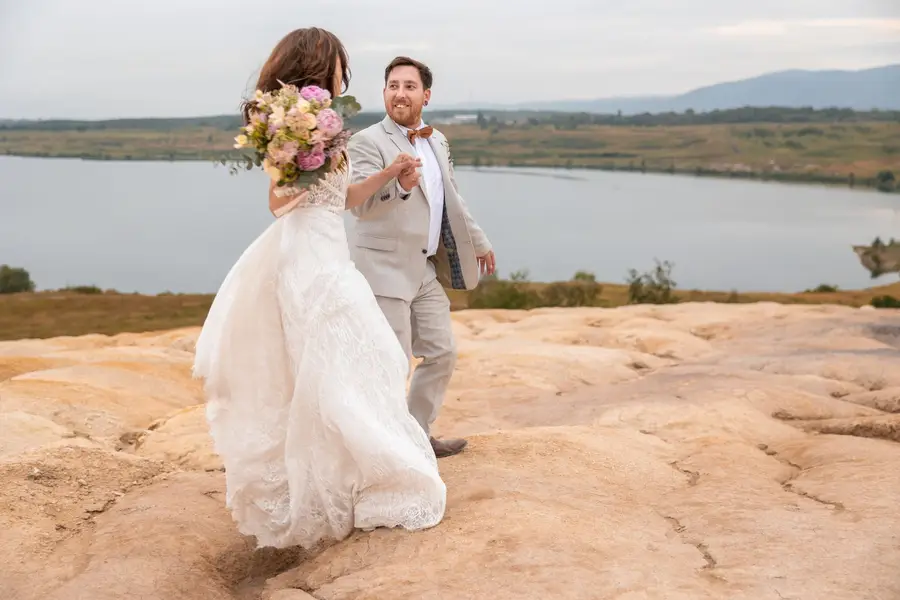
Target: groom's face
404,96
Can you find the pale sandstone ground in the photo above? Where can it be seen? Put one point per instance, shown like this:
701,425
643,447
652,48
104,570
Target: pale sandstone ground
682,452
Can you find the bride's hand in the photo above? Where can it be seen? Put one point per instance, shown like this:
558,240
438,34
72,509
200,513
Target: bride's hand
404,163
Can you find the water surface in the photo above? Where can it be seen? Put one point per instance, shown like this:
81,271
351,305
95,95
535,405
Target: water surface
157,226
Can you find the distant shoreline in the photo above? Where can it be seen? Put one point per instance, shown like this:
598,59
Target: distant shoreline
832,147
834,181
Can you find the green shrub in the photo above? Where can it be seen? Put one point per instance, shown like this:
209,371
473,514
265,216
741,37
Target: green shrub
14,280
885,181
82,289
822,288
513,293
652,287
518,293
885,302
572,293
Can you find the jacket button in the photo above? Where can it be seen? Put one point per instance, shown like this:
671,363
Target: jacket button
424,251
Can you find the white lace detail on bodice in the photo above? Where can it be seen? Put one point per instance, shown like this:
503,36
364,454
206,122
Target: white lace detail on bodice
329,193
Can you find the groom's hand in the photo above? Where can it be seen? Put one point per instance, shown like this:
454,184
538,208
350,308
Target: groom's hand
409,178
402,164
487,263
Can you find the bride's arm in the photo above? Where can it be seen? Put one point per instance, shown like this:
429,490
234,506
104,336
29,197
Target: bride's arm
278,205
359,193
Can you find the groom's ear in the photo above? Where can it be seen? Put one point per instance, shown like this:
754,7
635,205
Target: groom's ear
427,96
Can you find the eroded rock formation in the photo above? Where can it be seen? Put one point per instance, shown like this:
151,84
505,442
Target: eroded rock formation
680,452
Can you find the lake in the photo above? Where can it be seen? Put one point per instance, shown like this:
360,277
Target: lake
155,226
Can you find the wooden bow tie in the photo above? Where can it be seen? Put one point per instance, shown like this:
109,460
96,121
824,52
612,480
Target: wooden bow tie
423,133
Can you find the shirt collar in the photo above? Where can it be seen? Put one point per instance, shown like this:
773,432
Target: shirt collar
406,130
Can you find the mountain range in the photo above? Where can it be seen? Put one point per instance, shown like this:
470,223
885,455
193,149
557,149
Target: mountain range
864,89
861,90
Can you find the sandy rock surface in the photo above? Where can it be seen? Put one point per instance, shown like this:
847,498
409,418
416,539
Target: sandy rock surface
692,452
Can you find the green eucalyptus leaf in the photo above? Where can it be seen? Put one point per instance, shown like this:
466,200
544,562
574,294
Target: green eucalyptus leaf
346,106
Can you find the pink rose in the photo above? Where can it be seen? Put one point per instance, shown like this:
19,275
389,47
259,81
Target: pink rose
312,93
310,161
329,122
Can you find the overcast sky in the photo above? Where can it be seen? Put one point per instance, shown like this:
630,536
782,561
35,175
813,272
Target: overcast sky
122,58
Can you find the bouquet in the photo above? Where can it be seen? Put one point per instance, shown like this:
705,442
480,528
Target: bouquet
294,134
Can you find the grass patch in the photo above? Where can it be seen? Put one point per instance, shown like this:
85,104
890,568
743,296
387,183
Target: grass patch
67,313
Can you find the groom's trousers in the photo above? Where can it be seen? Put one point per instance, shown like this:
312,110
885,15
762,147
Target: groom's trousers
425,331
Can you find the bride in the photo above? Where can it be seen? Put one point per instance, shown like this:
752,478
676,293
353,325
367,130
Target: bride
304,378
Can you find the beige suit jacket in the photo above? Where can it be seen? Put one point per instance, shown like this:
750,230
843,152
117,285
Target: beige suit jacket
391,241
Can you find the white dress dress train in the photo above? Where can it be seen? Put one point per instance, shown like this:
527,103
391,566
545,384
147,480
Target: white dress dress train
306,389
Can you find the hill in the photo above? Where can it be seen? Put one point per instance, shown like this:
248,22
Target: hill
863,90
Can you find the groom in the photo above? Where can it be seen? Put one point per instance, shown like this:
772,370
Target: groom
416,236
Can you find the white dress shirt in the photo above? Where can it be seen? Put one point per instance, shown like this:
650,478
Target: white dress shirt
433,183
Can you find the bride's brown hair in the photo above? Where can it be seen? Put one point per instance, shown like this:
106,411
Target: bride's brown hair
303,57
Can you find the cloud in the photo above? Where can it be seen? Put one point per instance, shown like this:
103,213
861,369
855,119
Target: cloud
773,28
889,25
392,47
171,57
752,29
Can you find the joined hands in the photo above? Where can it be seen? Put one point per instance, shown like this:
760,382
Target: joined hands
405,169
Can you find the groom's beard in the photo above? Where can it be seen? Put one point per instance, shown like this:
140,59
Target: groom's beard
408,117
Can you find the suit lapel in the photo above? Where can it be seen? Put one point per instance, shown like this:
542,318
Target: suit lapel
441,155
402,143
396,136
443,160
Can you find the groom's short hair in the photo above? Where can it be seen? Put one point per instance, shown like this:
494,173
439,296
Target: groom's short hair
405,61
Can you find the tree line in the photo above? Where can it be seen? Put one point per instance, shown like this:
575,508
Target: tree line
497,118
735,116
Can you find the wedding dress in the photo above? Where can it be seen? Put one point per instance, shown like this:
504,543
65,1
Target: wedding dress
306,389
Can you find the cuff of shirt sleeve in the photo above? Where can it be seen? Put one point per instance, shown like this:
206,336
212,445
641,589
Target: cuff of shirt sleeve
403,193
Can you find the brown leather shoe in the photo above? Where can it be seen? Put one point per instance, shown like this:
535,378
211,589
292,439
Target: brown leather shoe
445,448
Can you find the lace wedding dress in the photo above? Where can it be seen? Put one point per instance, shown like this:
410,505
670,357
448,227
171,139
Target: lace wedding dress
306,389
